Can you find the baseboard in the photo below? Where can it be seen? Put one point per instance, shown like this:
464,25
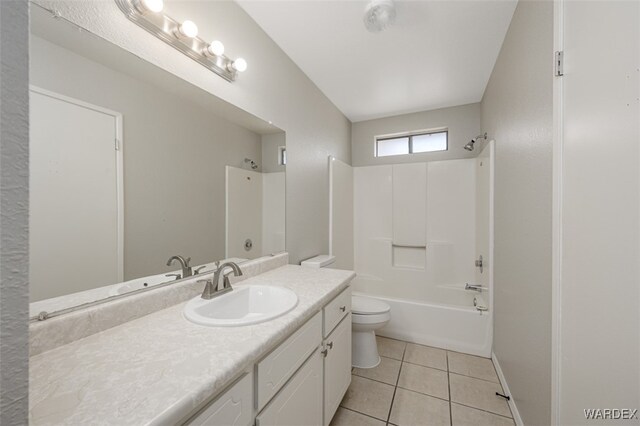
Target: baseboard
422,339
512,403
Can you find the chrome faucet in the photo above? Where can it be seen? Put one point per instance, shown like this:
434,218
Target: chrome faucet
474,287
184,263
211,289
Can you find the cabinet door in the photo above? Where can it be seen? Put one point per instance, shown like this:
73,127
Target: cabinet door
278,367
337,367
232,408
299,402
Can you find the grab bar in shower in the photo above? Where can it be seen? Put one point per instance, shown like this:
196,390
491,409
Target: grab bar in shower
407,246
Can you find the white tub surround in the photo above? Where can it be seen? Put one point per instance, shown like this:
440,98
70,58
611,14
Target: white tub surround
161,368
72,326
417,252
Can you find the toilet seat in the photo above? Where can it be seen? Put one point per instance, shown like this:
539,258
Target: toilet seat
367,306
370,319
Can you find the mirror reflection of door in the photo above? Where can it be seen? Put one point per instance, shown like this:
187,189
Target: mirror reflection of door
75,195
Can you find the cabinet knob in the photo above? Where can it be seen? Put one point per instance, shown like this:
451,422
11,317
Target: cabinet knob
343,308
330,344
324,352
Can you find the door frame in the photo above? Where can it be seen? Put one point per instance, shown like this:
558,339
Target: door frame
118,148
556,227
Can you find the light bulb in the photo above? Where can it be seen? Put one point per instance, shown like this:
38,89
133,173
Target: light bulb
215,48
239,65
154,6
188,29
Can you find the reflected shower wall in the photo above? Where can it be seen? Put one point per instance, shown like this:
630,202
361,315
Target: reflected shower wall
255,213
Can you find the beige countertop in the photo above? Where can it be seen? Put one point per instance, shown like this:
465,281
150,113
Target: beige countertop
159,368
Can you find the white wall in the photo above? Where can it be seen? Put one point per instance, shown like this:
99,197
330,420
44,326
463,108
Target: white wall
517,113
462,122
175,152
448,227
484,224
598,294
272,88
273,212
342,218
14,204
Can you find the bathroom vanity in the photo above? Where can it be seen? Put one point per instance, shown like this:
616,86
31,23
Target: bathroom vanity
301,381
163,369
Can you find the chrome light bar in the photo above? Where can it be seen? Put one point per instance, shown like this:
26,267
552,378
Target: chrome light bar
170,31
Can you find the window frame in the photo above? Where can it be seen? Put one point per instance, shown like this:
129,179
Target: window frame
410,136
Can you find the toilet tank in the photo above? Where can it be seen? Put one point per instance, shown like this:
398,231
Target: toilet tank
319,261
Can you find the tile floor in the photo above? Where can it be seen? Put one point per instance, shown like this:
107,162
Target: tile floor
420,385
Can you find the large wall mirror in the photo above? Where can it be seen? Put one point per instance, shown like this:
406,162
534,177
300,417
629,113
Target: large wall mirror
135,172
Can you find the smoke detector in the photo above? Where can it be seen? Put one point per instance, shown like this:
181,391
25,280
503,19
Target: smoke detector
379,15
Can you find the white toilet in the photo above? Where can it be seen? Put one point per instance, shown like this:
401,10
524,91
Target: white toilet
367,316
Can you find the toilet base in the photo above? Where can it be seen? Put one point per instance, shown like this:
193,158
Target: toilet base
364,349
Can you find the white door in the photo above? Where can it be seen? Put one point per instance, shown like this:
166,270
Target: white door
597,232
75,230
337,367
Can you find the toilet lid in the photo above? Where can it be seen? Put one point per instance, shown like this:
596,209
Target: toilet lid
368,306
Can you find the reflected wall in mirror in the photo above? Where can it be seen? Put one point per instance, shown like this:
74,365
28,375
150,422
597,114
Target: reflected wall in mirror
130,166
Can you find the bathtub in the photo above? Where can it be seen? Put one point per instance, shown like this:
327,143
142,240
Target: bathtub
455,324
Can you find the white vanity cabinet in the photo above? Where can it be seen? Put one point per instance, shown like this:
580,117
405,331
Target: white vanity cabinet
300,382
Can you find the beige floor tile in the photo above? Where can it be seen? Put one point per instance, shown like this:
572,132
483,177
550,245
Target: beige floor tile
478,393
426,355
387,371
390,348
412,409
369,397
344,417
474,366
466,416
424,380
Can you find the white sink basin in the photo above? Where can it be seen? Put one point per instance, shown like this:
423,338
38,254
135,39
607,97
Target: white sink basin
249,304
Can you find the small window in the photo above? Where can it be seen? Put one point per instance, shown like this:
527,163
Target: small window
282,155
411,144
396,146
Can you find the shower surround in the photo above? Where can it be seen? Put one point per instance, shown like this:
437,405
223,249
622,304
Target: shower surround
418,232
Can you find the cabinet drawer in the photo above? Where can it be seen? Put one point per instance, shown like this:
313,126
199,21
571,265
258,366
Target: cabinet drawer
299,403
335,310
279,365
233,407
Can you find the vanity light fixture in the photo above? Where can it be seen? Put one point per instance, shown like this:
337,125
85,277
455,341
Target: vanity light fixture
187,29
146,6
183,36
239,65
216,48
